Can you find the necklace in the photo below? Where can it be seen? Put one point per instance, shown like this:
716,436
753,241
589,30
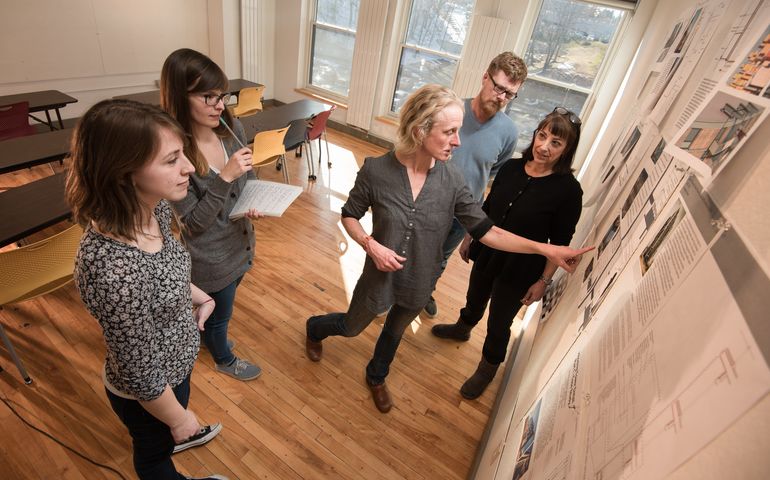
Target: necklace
151,235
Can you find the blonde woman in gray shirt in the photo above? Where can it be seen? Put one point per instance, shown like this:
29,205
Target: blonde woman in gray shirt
414,194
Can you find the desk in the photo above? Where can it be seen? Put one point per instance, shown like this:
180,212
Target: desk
32,207
153,97
43,101
292,114
24,152
279,117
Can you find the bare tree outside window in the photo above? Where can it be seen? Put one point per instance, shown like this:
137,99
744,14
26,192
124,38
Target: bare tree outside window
568,45
433,42
334,36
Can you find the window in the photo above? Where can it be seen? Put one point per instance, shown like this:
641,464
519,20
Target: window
333,38
432,45
564,57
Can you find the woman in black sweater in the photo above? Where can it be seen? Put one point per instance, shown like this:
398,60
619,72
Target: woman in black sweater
536,197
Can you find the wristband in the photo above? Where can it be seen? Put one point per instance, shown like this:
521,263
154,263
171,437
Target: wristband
547,281
365,243
207,301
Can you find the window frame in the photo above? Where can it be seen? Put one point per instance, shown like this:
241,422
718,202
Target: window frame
524,38
405,17
313,24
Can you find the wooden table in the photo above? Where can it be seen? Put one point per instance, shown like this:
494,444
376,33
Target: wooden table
24,152
42,101
153,97
32,207
279,117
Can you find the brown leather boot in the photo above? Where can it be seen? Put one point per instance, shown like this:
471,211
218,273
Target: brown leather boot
454,331
313,349
477,383
381,397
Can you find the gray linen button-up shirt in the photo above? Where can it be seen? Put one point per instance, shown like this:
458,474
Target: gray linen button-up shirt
413,229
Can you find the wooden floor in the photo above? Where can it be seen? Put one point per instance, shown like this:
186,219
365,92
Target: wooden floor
299,420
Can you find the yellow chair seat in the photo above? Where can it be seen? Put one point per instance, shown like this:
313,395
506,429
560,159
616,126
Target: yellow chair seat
35,270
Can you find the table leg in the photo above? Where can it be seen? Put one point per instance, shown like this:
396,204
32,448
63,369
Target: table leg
49,123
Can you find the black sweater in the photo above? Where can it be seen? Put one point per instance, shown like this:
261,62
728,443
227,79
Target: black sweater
544,209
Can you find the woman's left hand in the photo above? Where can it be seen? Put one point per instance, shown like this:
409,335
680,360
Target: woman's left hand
253,214
535,293
203,312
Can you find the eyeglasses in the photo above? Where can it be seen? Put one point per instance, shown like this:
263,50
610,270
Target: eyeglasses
574,119
213,100
501,90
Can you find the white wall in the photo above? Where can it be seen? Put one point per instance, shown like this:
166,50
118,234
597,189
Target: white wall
96,49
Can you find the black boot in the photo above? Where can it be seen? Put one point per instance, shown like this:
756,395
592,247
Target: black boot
475,386
455,331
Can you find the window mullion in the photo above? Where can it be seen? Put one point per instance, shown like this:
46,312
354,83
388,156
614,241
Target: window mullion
438,53
335,28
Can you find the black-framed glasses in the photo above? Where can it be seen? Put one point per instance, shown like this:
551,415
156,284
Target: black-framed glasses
212,100
500,90
574,119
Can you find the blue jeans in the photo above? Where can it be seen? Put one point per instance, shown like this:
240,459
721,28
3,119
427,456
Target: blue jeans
453,239
215,333
357,318
152,440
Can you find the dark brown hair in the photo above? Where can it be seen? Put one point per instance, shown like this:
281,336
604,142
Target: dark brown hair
561,126
113,140
187,72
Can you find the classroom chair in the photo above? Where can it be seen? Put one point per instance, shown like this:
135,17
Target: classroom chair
13,121
268,148
33,270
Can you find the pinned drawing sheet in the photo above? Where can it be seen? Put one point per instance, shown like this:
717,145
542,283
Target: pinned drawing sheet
268,198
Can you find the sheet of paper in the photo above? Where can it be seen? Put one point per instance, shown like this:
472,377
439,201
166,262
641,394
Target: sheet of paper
268,198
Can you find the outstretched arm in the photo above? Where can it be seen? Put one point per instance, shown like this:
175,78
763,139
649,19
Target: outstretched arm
564,257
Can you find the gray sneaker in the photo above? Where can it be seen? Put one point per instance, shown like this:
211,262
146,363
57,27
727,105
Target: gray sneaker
241,369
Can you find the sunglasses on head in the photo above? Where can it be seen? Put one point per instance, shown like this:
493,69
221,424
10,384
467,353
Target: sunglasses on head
574,119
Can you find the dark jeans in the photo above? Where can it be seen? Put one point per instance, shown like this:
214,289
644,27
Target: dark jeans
357,318
152,439
215,333
503,307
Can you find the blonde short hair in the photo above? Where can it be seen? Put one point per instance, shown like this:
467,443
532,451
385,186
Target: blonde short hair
419,113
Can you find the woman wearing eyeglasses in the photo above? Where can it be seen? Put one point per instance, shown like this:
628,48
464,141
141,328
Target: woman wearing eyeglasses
536,197
193,89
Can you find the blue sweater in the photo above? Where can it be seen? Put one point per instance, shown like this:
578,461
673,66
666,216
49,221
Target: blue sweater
483,148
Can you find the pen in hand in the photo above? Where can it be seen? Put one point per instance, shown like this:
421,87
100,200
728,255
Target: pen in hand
222,121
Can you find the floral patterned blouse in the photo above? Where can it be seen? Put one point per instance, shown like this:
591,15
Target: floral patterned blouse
143,303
